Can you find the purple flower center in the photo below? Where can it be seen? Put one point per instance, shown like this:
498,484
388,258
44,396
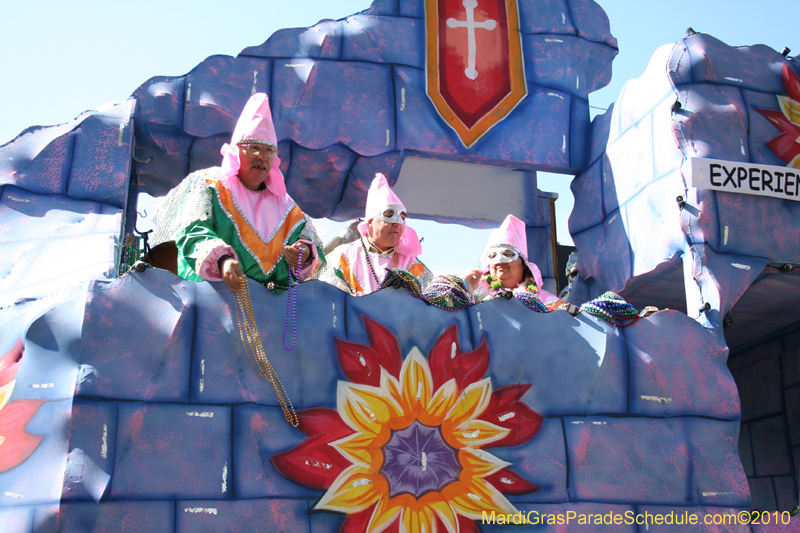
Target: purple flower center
417,460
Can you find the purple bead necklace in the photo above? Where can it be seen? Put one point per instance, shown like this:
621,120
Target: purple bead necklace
291,302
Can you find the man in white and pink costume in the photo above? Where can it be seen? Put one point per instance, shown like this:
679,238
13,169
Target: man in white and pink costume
505,266
386,242
237,219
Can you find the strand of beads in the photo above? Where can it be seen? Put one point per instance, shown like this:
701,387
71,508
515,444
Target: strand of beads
251,340
130,252
448,292
291,302
530,301
612,308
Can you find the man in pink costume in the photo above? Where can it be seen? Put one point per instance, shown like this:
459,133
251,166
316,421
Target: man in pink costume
236,219
386,242
504,265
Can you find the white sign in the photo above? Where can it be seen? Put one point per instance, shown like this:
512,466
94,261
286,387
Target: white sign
746,178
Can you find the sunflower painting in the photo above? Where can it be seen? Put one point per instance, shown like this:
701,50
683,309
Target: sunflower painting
406,448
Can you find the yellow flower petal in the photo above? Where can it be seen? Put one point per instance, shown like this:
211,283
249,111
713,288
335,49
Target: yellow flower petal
476,433
353,491
790,109
447,515
364,408
795,163
417,381
5,393
471,497
477,464
417,520
440,404
392,389
386,512
363,449
471,403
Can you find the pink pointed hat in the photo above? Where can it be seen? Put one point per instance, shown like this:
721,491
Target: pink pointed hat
379,197
512,234
254,125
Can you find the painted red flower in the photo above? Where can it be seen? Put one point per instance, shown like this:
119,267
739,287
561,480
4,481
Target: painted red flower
16,444
405,450
786,146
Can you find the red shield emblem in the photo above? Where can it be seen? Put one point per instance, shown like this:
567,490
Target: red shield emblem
474,70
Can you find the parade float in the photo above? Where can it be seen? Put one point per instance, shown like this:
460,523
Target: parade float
127,401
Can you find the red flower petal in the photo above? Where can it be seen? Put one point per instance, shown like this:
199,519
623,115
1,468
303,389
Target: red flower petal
312,463
322,420
784,147
358,522
361,364
466,525
522,421
504,395
385,345
18,444
471,366
791,83
509,482
779,120
9,363
440,358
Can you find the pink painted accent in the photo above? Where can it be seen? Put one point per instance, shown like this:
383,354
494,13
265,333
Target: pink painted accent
255,122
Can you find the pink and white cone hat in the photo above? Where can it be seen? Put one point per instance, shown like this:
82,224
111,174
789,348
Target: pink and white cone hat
254,125
512,234
381,197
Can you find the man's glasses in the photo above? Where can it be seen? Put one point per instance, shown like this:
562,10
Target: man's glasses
256,149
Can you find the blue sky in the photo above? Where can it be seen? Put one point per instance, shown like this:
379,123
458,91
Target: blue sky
59,58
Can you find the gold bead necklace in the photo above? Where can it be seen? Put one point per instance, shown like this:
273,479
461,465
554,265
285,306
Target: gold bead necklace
244,308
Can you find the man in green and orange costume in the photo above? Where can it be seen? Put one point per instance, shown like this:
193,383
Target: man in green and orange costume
237,219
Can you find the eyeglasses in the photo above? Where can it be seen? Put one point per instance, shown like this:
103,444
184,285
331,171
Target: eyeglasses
256,149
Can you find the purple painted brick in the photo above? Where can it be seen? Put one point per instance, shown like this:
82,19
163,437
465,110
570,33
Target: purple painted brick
790,359
258,434
322,40
638,460
582,371
218,88
718,478
762,494
546,16
382,39
17,519
756,386
754,67
354,196
746,450
101,158
107,517
592,22
242,516
172,451
785,492
611,262
792,395
570,64
159,100
126,363
92,441
665,383
317,178
317,103
587,188
542,461
771,452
